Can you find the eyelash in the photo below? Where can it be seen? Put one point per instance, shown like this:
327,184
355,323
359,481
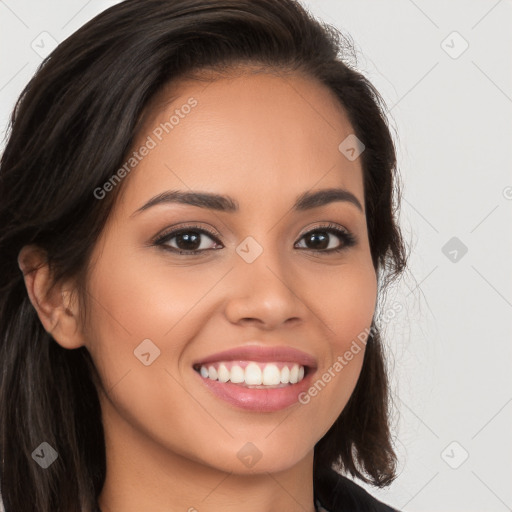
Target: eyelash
347,238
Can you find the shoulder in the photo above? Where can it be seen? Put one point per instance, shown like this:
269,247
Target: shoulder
337,493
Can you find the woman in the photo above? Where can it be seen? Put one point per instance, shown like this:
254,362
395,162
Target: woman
197,218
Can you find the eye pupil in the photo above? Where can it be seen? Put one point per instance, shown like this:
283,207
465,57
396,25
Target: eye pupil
190,239
319,236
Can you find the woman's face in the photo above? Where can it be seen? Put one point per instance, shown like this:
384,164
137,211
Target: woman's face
259,280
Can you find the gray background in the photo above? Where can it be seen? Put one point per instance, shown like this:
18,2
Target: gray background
449,347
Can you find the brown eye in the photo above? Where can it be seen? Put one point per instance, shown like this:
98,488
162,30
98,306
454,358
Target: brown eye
193,240
190,240
321,239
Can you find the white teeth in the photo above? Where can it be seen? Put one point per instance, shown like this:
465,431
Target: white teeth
294,374
271,375
237,374
285,375
223,373
212,373
254,374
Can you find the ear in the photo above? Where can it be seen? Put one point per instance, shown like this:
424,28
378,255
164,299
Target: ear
54,306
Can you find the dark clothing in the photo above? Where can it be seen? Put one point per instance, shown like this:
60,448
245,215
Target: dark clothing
337,493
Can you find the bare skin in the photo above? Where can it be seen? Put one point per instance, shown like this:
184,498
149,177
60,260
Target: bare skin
171,444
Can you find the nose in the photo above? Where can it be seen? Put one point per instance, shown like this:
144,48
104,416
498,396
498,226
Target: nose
264,293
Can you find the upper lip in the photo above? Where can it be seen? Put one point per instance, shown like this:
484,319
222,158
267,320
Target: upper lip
261,354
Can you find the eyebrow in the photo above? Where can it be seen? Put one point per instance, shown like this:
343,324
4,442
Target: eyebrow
306,201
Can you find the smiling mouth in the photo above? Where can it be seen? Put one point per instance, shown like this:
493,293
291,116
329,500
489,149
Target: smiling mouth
252,374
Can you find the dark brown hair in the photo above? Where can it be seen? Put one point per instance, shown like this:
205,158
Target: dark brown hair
70,130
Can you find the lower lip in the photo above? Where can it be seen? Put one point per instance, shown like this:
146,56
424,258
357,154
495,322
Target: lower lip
259,400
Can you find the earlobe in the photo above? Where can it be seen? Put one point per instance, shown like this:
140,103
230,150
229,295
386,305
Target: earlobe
58,315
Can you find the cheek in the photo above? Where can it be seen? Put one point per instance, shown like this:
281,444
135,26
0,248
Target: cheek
130,302
145,300
348,305
135,297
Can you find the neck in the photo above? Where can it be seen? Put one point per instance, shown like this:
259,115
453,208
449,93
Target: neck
142,475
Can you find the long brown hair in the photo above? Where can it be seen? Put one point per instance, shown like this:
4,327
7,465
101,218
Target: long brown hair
69,132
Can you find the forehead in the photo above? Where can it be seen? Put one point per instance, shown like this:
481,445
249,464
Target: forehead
260,137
